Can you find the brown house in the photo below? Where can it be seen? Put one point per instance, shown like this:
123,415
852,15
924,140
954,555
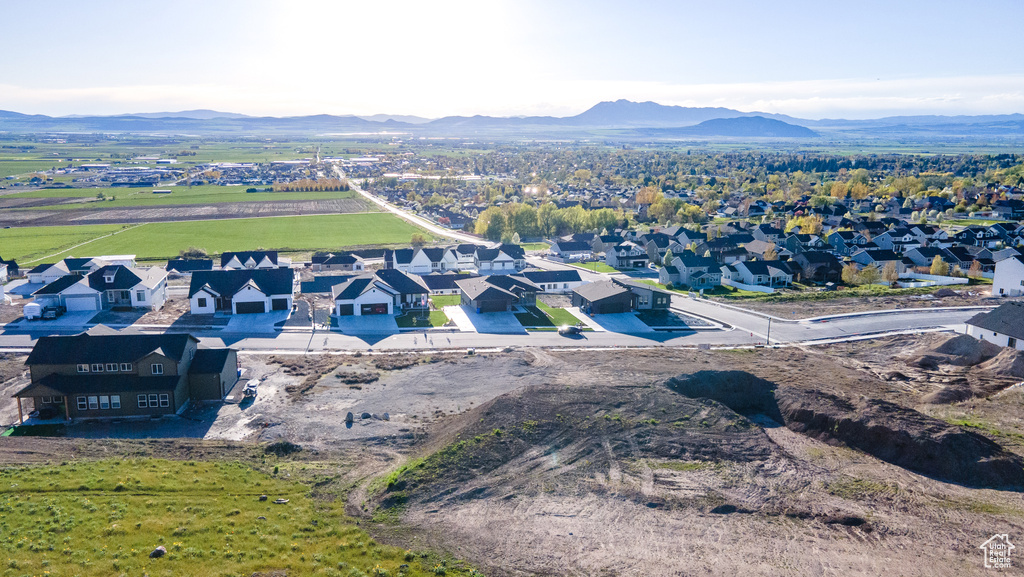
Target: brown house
104,374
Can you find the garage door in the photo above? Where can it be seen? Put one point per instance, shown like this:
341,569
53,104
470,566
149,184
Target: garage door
374,309
492,306
279,304
250,308
81,303
611,308
346,310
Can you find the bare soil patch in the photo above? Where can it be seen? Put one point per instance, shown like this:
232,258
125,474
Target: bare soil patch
806,308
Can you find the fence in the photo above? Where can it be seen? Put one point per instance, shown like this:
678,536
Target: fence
748,287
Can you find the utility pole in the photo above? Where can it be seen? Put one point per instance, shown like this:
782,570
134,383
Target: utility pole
768,339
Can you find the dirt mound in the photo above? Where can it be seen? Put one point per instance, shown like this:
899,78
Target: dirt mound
1008,362
545,438
951,393
887,431
903,437
965,350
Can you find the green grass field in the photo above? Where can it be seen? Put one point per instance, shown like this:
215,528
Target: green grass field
414,319
558,316
104,518
180,195
445,300
19,166
162,240
596,267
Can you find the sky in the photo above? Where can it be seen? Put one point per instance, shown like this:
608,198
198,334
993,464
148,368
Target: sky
809,59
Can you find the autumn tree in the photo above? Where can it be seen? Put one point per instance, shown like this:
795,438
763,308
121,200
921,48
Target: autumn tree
770,253
890,273
939,267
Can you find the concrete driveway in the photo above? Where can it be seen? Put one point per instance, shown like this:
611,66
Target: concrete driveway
256,323
22,287
625,323
71,320
367,324
500,323
458,316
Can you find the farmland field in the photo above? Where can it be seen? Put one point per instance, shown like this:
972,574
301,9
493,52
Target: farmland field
162,240
180,195
104,518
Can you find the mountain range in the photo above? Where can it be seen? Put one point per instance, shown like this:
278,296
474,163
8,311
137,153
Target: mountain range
619,120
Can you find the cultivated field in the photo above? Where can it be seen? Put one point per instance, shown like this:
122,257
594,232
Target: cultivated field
162,240
82,198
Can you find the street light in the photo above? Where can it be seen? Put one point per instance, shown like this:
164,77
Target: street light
768,339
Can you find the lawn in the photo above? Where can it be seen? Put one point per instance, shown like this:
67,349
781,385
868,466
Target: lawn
162,240
104,518
416,319
445,300
180,195
544,316
558,316
595,266
535,245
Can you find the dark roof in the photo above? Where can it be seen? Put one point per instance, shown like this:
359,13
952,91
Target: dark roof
671,269
58,286
124,278
514,283
74,264
101,383
467,248
275,281
818,257
434,254
402,255
355,286
189,264
599,290
572,246
401,282
1008,319
40,268
487,253
443,281
693,261
478,287
544,276
257,255
112,348
209,361
323,284
341,259
512,250
882,255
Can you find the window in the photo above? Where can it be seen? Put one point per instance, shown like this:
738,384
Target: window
83,368
140,295
158,369
97,367
115,401
201,303
94,402
126,367
111,367
142,402
165,400
104,402
154,401
82,405
565,285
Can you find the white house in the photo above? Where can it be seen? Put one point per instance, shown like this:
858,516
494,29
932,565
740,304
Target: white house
1003,326
1009,277
554,281
256,259
494,261
246,291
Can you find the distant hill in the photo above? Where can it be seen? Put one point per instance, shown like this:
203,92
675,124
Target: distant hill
200,114
397,118
742,127
625,113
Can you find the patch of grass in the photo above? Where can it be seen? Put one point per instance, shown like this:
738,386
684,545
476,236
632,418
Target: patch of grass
180,195
535,245
854,488
558,317
684,466
445,300
56,430
986,428
104,518
533,317
595,266
162,240
416,319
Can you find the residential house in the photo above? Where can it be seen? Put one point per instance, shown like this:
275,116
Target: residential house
605,241
845,242
494,261
768,233
384,292
554,281
465,255
879,258
898,240
1008,280
817,266
47,273
797,243
497,293
241,291
444,283
619,296
12,267
769,273
105,288
183,266
345,262
572,250
1003,326
695,272
105,374
758,249
925,255
626,255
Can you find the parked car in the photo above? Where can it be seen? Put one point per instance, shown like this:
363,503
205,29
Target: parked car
571,330
249,392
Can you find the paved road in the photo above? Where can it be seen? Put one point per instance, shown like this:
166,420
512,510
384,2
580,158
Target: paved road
414,219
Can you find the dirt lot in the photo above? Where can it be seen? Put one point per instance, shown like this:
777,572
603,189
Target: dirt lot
39,217
590,465
801,309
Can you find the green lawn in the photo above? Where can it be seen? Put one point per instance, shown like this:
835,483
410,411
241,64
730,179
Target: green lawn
162,240
21,166
596,267
445,300
180,195
415,319
535,245
104,518
558,316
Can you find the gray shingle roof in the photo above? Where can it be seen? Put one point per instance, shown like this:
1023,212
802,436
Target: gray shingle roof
115,348
1008,319
275,281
